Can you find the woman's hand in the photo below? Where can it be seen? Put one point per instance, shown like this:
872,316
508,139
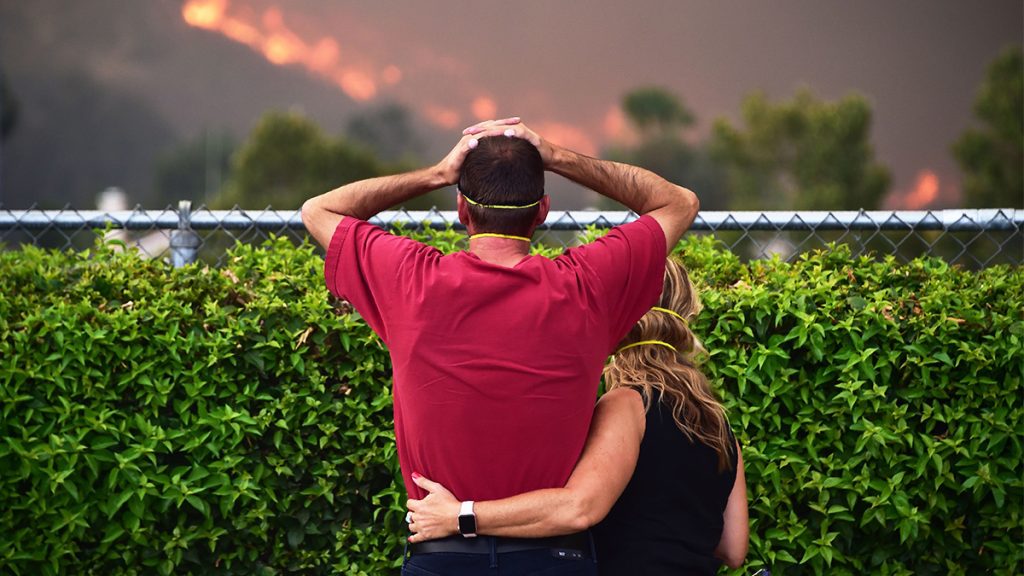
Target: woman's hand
436,515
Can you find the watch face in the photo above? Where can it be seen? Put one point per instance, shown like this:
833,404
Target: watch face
467,524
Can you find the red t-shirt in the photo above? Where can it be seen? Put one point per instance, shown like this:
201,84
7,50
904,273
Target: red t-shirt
495,369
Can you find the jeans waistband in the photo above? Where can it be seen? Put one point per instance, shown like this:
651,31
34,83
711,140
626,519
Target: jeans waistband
579,542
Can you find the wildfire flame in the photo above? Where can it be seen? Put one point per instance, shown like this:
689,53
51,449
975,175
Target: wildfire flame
204,14
484,108
567,135
614,122
442,116
925,191
280,45
268,34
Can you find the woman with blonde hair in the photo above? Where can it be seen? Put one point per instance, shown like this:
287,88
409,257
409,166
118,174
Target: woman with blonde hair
661,476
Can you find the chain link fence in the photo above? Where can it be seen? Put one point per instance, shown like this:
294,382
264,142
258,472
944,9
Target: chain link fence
970,238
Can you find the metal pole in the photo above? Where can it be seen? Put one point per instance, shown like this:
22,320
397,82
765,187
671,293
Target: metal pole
184,241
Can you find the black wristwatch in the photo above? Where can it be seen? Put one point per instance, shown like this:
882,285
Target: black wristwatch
467,520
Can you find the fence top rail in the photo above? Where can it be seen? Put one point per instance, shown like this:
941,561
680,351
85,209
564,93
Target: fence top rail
906,220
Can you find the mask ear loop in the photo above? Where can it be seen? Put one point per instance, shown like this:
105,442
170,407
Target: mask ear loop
643,342
657,342
672,312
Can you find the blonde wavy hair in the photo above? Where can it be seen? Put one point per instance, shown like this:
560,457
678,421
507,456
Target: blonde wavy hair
674,376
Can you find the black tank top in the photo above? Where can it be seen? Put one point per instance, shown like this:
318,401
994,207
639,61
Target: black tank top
669,518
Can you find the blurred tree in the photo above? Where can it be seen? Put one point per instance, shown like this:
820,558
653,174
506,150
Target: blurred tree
387,130
288,159
194,171
655,109
992,157
8,108
661,120
805,154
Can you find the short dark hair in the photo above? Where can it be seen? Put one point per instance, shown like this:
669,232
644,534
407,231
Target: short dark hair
505,171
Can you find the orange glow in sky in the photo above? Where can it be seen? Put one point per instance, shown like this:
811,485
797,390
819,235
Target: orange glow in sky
925,191
270,36
614,122
568,136
391,75
484,108
206,14
442,116
360,86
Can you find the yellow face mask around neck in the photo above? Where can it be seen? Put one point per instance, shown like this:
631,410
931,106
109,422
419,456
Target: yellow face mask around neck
494,235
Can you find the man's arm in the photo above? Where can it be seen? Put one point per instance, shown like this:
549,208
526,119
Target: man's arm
640,190
600,476
365,198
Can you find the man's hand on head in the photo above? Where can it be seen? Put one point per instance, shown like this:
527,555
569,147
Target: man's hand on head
486,124
450,166
640,190
513,127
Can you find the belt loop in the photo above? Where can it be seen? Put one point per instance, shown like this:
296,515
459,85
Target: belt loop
593,547
494,552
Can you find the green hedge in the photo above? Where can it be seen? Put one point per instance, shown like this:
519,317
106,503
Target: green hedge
880,408
193,420
238,420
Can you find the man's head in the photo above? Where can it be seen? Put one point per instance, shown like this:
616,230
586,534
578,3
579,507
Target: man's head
502,171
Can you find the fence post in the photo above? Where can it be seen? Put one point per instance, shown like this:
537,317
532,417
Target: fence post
184,241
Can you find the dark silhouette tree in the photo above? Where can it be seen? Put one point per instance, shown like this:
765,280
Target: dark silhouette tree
992,155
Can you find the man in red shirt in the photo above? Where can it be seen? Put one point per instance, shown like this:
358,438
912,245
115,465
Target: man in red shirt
497,354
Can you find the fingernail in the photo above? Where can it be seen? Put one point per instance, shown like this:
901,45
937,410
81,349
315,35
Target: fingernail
473,142
510,132
415,475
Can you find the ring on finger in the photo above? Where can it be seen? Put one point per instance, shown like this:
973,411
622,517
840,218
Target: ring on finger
408,517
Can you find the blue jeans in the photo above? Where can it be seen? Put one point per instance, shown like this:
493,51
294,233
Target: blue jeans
542,562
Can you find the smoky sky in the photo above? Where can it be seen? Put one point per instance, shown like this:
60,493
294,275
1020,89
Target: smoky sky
918,62
563,66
